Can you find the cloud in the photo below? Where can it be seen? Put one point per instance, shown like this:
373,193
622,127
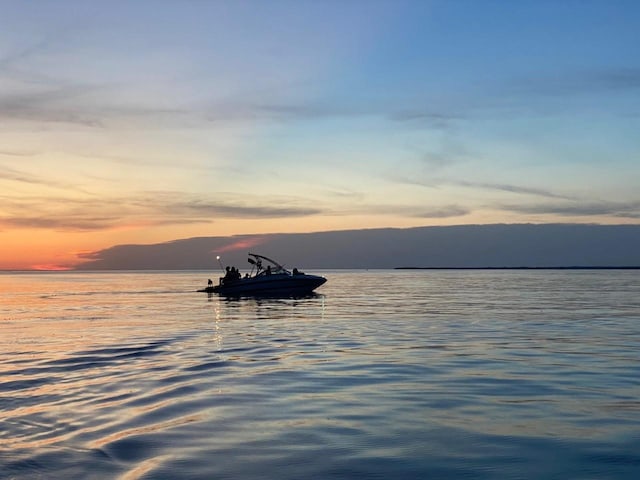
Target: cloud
446,116
14,175
48,40
60,222
207,208
502,187
19,176
579,82
443,212
143,208
241,109
51,100
437,160
413,211
579,209
51,105
155,208
44,99
455,246
617,79
36,97
558,204
429,118
16,153
90,106
98,106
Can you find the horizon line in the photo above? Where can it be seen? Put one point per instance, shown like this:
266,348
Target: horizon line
561,267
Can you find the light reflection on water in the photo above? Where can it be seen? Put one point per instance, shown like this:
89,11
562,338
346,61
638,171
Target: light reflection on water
384,374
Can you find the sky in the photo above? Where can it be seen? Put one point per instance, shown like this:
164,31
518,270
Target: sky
148,121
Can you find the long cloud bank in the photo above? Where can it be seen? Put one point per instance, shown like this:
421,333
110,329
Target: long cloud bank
500,245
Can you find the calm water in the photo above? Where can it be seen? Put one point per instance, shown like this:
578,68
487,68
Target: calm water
385,374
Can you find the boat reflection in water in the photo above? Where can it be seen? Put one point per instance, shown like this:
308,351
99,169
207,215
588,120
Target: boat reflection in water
267,278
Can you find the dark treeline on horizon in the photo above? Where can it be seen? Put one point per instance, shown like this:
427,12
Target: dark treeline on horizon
631,267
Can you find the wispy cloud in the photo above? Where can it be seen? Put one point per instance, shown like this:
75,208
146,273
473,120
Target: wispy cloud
147,208
437,182
15,61
19,176
517,189
444,117
448,211
211,209
440,120
542,201
448,115
17,153
33,96
579,209
51,104
579,82
91,106
408,211
15,175
47,99
60,222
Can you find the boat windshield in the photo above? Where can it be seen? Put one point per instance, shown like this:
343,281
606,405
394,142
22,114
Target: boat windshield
266,265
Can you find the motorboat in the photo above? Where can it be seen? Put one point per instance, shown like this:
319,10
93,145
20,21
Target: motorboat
267,278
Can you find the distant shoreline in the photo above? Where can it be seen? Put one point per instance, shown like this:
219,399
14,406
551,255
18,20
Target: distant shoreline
520,268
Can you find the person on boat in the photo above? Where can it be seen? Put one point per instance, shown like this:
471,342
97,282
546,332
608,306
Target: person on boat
232,274
229,276
210,283
268,271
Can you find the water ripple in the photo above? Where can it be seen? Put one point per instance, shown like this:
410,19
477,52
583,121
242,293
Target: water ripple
483,375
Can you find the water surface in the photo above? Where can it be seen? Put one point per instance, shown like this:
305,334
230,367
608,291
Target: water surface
383,374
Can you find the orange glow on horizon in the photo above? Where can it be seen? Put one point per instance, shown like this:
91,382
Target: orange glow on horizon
32,249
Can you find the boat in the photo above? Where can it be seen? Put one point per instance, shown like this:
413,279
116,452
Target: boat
267,278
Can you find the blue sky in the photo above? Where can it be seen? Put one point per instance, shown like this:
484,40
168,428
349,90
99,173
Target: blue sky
146,121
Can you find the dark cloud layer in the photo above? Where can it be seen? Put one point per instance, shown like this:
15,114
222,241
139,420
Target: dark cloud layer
525,245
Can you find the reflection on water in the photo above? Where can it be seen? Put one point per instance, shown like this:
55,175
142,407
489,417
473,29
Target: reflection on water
391,374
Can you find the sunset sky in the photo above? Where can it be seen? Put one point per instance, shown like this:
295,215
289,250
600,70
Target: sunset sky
147,121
